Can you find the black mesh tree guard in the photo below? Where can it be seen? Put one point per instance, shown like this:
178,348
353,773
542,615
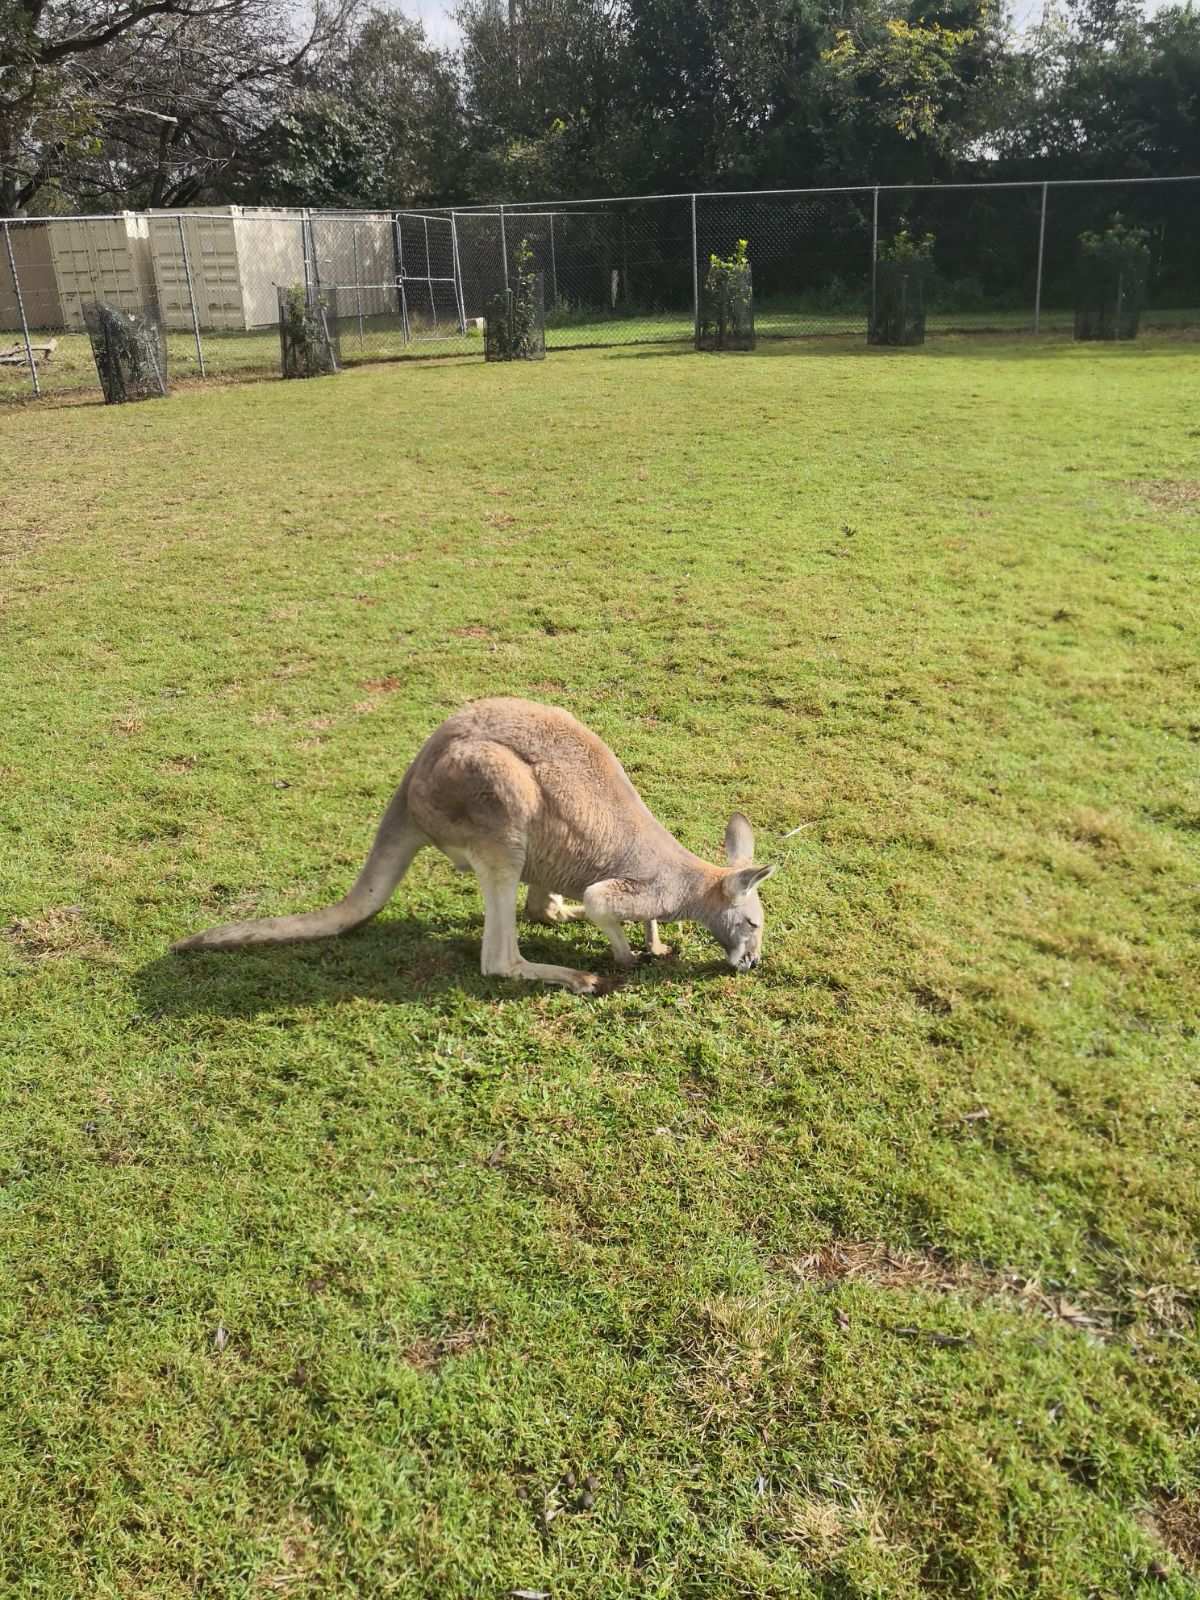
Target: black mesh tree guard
898,309
130,351
515,321
497,327
309,343
726,308
1111,294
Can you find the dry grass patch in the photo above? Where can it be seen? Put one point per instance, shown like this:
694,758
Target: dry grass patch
296,1565
429,1352
1176,1521
872,1262
60,931
1169,494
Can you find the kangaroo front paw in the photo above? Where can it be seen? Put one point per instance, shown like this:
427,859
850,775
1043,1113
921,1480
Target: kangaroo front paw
662,952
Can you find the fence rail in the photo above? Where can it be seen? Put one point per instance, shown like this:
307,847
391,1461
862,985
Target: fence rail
621,270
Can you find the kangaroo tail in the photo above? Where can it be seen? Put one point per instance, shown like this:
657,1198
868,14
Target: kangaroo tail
396,843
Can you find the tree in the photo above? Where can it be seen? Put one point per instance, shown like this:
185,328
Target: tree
1109,93
547,95
920,85
142,102
375,120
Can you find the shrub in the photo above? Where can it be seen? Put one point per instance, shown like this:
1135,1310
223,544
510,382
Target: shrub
727,303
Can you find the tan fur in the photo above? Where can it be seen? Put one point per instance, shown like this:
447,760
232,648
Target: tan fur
515,792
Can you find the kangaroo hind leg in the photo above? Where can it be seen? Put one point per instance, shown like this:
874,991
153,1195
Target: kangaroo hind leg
499,877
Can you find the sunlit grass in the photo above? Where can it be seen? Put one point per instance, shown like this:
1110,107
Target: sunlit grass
340,1269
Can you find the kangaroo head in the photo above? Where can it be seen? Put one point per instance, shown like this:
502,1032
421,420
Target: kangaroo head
735,916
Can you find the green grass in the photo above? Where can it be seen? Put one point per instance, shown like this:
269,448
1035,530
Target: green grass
255,355
338,1270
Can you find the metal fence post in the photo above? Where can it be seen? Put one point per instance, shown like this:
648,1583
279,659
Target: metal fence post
874,248
357,285
1037,297
462,305
312,250
553,263
12,267
503,248
187,272
695,276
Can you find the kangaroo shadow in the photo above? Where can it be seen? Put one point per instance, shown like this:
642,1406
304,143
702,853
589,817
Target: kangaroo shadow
397,960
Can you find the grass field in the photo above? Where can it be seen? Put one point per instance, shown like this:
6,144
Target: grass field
340,1270
249,356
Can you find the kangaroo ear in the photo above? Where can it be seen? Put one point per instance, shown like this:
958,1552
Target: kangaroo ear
737,884
739,841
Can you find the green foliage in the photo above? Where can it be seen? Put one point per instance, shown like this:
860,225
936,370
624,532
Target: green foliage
908,73
1114,264
1121,246
515,320
526,305
908,248
336,1270
304,336
727,302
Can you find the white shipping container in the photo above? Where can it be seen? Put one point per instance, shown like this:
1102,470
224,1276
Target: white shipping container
101,258
36,276
239,258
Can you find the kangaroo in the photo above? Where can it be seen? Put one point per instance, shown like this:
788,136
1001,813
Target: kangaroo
515,791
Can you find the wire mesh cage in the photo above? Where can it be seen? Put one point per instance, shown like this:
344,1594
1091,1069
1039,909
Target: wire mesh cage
1113,269
811,257
515,321
308,337
726,320
130,351
898,308
497,327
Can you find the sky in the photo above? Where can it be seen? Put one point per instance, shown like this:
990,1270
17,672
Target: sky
437,15
437,19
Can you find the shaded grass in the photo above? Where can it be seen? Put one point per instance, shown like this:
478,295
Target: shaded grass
340,1269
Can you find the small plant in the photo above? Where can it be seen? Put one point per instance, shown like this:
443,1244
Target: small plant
515,324
528,325
307,348
909,248
1121,245
727,304
1114,267
903,274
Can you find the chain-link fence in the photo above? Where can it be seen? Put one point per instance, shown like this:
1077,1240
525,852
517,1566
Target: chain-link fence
399,284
